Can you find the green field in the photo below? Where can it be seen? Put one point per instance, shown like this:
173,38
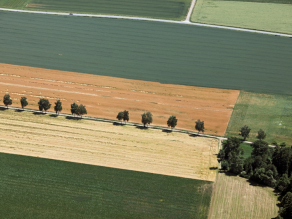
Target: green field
268,15
163,9
151,51
272,113
247,150
15,4
42,188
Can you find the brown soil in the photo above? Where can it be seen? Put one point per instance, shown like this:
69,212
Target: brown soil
105,144
105,96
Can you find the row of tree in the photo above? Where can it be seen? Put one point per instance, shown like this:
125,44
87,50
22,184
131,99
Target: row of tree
44,105
79,110
268,165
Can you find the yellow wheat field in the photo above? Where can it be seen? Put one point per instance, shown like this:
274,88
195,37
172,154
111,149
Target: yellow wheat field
105,144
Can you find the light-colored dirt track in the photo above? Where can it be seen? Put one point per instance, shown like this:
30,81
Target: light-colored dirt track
235,197
105,96
105,144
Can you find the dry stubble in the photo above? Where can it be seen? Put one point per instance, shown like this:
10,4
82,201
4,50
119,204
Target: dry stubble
105,96
234,197
105,144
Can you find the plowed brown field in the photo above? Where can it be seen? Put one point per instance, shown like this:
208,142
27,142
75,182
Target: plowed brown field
105,96
105,144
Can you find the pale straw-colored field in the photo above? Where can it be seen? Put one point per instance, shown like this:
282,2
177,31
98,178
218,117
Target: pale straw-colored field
235,197
105,144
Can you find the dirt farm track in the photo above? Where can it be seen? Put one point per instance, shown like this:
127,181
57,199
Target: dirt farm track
105,96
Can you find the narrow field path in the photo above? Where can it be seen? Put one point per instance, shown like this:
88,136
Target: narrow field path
190,11
150,19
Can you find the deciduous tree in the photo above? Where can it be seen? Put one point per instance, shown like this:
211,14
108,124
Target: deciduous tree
172,122
120,116
261,135
146,118
74,108
23,102
44,104
58,106
126,115
81,110
7,100
244,132
200,126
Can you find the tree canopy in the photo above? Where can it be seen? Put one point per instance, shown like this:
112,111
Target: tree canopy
23,102
172,122
120,116
244,132
126,115
58,106
74,108
44,104
146,118
81,110
7,100
261,135
230,155
200,126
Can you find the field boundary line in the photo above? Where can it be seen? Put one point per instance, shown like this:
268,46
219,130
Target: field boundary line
232,112
185,131
149,19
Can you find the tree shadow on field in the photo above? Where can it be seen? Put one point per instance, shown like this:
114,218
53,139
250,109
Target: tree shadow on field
194,135
213,168
167,130
119,123
3,109
73,118
19,110
39,113
54,115
141,127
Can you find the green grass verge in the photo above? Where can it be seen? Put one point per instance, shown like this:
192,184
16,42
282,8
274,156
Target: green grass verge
163,9
272,113
42,188
247,150
152,51
246,14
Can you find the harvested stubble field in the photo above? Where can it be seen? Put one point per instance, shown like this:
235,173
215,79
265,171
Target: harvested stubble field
151,51
105,144
235,197
270,112
105,96
41,188
268,15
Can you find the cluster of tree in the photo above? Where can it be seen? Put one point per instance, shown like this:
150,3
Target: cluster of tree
78,110
44,105
268,165
124,115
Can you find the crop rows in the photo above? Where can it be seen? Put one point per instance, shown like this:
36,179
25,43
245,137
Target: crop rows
165,9
152,51
42,188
